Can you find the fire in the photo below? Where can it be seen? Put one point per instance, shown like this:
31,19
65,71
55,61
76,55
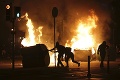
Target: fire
84,39
31,39
34,37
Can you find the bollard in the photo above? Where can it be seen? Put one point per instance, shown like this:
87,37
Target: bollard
108,68
88,75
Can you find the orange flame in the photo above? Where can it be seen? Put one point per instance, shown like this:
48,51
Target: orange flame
84,39
31,39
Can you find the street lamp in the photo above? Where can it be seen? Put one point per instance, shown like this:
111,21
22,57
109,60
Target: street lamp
8,12
8,6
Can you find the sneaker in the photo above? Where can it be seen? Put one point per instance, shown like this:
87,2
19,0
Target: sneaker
78,64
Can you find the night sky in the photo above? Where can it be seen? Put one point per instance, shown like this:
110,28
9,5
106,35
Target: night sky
40,11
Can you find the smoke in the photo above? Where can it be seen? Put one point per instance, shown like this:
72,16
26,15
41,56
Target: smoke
69,11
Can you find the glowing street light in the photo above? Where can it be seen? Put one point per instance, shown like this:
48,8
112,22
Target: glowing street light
8,12
8,6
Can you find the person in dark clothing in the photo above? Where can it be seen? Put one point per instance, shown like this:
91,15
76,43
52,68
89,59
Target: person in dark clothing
102,51
68,55
61,51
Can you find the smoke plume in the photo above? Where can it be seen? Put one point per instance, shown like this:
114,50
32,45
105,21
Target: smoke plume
69,11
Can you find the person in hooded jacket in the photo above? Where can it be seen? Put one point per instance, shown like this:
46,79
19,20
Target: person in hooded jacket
102,51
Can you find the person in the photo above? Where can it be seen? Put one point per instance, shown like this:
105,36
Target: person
61,51
102,51
68,55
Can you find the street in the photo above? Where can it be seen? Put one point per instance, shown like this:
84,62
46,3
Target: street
58,73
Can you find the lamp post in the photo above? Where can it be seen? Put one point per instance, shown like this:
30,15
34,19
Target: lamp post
54,14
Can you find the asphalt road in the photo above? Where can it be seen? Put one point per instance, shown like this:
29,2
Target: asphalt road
57,73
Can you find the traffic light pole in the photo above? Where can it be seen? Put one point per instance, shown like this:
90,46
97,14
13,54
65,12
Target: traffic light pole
16,11
9,14
13,43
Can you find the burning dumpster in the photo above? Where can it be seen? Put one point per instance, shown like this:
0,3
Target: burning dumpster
35,56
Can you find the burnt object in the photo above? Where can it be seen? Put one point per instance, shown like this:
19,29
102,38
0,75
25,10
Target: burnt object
35,56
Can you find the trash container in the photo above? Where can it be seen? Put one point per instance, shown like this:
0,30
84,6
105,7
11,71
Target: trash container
82,55
35,56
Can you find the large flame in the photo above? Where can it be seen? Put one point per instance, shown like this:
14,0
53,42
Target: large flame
34,37
84,38
31,39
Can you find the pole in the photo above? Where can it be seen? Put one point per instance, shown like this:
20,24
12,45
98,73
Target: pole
13,45
88,75
13,35
54,42
113,36
108,64
54,14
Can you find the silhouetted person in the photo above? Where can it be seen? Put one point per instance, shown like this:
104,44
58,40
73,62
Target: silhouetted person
61,51
102,51
68,55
